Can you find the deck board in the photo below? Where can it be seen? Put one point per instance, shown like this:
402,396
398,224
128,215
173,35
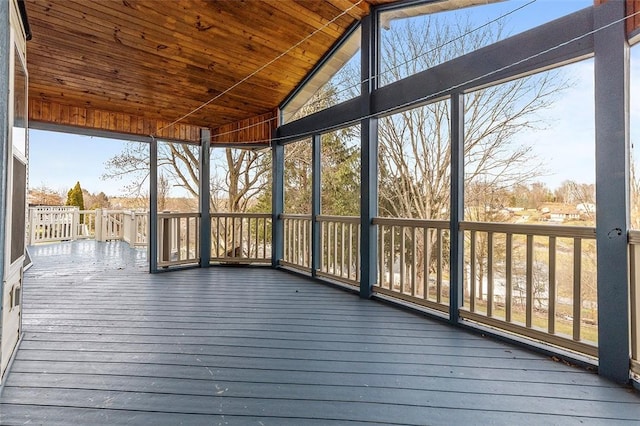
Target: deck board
105,342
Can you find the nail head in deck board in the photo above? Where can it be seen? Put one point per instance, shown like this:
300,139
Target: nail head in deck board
116,352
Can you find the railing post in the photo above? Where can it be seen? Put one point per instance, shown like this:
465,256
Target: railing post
32,227
100,226
75,224
204,200
612,189
456,246
152,246
369,158
316,187
277,204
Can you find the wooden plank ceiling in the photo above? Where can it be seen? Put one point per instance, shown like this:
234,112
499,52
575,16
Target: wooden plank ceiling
135,66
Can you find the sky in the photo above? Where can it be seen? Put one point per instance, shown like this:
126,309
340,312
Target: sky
58,160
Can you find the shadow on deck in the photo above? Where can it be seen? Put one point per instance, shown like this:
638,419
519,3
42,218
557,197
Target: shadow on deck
107,343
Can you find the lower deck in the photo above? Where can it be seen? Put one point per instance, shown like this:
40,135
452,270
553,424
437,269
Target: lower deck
107,343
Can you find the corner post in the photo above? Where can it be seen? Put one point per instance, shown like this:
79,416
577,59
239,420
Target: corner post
204,199
369,157
316,207
277,204
612,189
5,72
152,248
456,253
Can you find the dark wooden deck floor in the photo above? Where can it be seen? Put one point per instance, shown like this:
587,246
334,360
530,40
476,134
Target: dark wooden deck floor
107,343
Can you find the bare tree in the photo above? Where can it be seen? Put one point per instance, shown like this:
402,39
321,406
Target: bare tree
415,145
236,176
45,196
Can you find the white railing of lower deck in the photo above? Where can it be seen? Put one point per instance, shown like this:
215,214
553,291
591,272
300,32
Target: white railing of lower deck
634,282
135,228
340,249
86,224
412,261
49,224
178,239
241,237
52,224
535,280
297,241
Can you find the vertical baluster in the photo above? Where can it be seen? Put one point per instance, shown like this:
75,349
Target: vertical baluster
439,265
357,254
402,259
577,293
240,242
509,277
381,274
335,248
426,259
529,282
350,250
414,263
324,246
551,303
634,276
392,254
342,244
472,279
188,238
489,274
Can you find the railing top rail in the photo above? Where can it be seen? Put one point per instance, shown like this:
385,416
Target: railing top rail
294,216
526,229
343,219
634,237
249,215
178,215
415,223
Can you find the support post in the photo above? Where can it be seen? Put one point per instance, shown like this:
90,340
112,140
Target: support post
456,274
205,195
99,226
369,158
5,54
152,247
316,207
277,204
612,189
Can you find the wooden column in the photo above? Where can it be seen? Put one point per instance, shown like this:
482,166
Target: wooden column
316,207
5,52
204,199
456,264
152,247
612,189
369,158
277,204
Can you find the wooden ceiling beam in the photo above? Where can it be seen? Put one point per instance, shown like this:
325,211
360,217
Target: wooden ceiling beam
109,121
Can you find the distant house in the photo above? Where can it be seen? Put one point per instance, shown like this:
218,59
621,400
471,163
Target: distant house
559,212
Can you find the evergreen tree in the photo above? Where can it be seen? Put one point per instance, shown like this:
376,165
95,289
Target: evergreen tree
75,197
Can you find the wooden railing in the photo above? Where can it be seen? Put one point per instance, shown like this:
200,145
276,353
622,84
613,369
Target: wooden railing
297,241
54,224
178,239
49,224
241,237
535,280
634,281
412,261
340,248
85,221
135,228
